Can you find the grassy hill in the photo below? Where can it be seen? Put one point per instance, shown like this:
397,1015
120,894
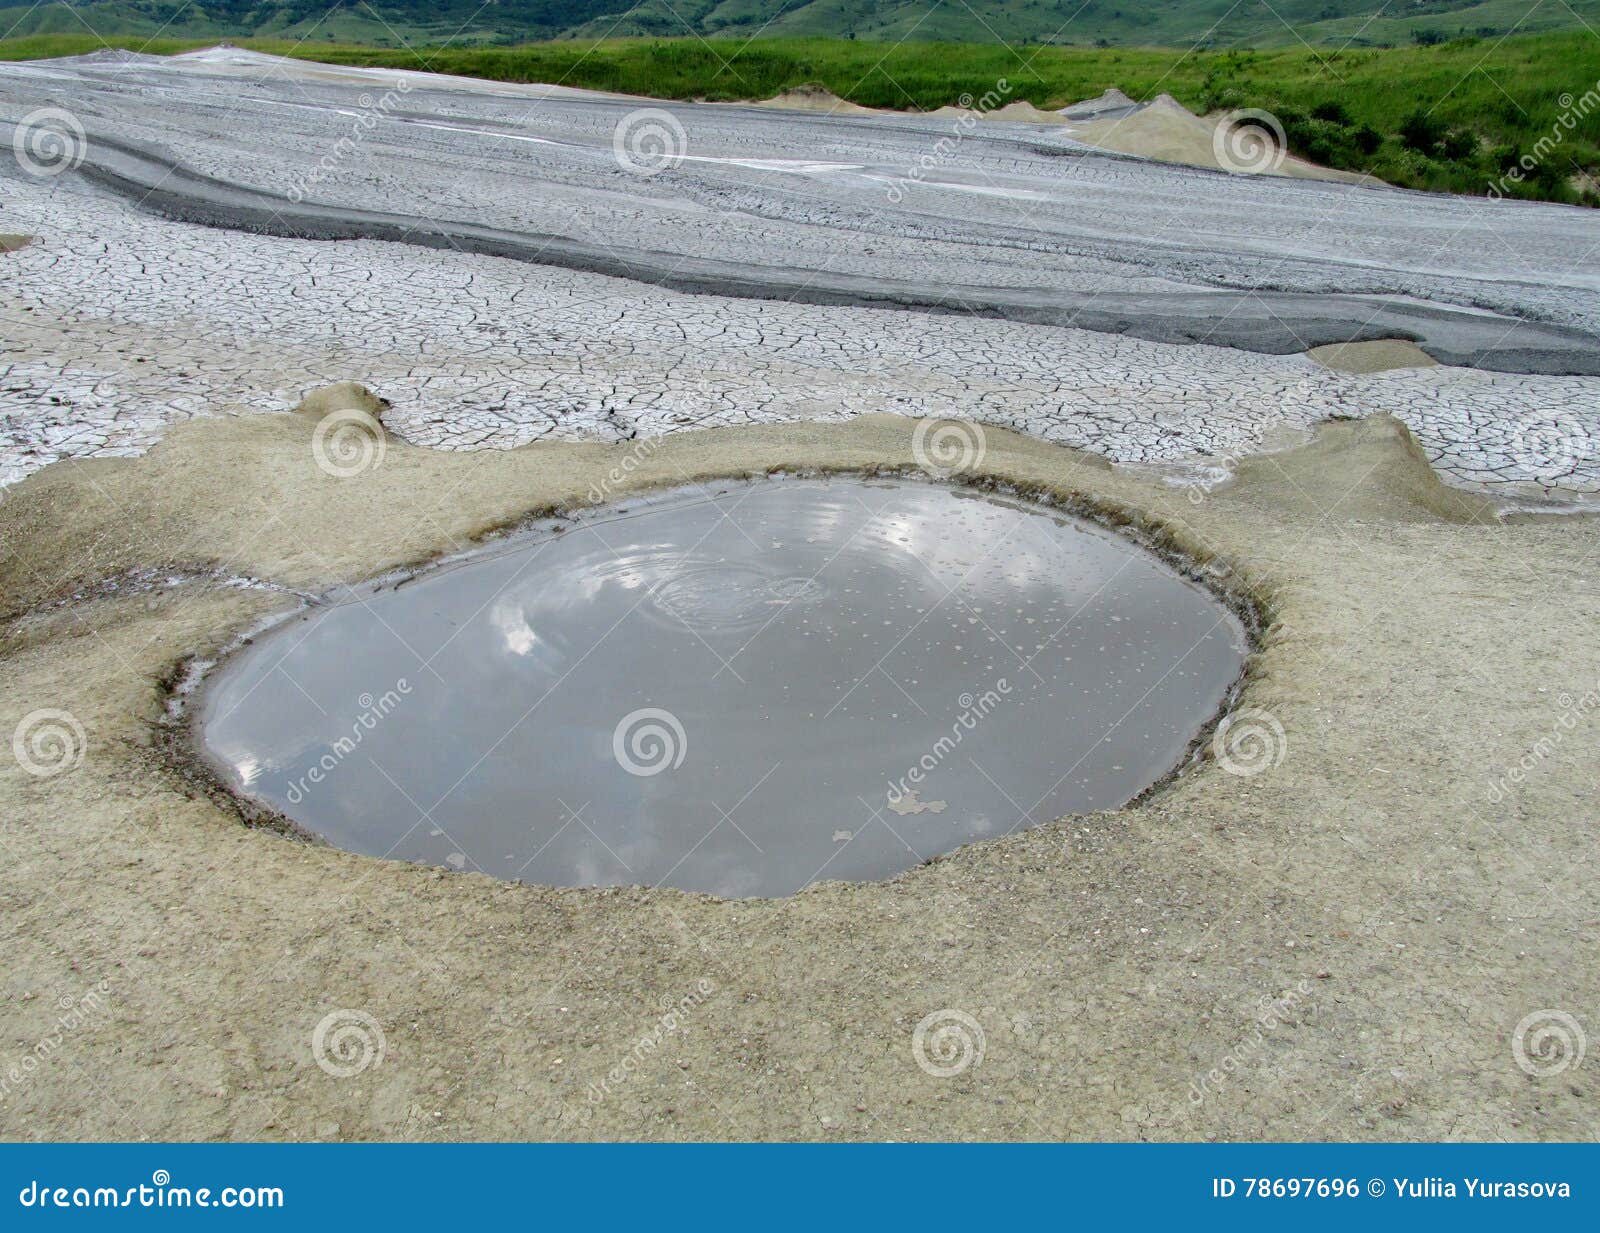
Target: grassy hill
1450,117
1123,23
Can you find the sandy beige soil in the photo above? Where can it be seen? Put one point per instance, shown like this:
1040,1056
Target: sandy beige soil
1169,132
1377,355
813,97
1165,131
1348,939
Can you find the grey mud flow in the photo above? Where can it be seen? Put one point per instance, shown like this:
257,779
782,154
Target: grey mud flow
740,690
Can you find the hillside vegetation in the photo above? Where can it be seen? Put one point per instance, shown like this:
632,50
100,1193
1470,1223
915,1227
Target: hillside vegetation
1454,117
1212,24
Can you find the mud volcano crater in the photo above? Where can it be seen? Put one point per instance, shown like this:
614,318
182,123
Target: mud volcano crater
739,689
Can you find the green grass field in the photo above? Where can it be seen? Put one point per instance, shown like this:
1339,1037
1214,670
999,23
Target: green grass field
1451,117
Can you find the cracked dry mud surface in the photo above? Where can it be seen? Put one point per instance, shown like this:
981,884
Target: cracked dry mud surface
1359,928
981,219
121,322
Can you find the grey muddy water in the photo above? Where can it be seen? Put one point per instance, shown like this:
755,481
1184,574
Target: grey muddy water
739,689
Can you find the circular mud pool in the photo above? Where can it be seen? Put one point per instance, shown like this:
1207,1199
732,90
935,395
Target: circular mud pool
741,690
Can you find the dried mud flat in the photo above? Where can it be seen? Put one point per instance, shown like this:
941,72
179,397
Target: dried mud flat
520,263
1342,945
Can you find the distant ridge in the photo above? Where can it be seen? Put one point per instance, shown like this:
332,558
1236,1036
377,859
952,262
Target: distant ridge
1124,23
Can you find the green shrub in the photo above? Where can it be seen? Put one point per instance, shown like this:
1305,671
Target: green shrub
1366,139
1422,132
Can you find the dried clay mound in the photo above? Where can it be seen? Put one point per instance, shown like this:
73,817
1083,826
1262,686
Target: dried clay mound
1023,112
1163,130
1168,132
814,97
1020,112
1109,105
